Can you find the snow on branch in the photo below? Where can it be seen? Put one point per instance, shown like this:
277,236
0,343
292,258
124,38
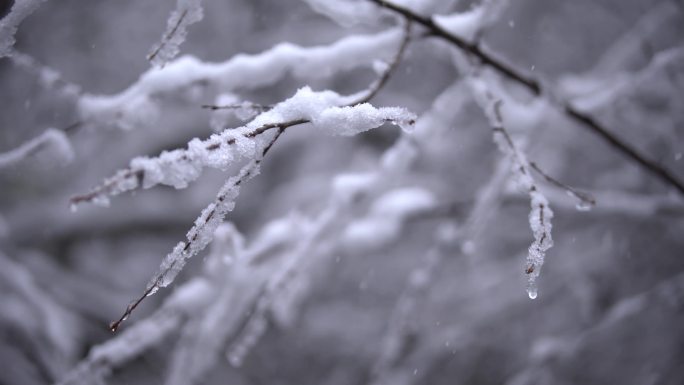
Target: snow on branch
51,138
48,77
540,213
187,12
9,24
346,13
136,105
326,111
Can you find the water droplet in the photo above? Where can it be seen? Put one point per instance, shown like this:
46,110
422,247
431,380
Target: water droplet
408,126
583,206
532,291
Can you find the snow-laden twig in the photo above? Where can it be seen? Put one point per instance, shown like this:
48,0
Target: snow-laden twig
327,111
136,104
341,115
51,138
187,12
540,213
9,24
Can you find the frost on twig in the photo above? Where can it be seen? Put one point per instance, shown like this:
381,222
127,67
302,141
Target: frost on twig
540,213
51,138
187,12
325,110
9,24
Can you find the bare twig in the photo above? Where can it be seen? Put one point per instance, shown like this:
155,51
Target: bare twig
236,106
584,197
534,86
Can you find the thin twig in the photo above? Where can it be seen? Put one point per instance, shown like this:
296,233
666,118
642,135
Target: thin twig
254,106
392,65
583,197
534,86
167,37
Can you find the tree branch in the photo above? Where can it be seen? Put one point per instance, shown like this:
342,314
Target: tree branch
534,86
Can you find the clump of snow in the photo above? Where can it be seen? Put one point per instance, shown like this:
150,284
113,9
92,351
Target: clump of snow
187,12
327,111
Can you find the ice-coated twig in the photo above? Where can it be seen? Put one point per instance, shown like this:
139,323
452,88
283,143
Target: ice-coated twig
9,24
187,12
540,213
535,87
50,138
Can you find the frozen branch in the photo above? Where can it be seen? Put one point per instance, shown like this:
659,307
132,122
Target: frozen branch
540,213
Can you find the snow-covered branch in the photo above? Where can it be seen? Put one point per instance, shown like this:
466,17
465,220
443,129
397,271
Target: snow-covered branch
9,24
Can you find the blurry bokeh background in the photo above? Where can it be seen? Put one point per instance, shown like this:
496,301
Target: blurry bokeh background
611,302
